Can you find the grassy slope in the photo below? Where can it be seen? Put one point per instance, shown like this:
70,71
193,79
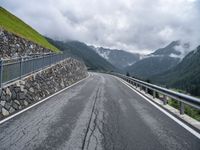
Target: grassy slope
16,26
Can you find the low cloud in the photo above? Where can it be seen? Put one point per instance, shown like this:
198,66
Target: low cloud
134,25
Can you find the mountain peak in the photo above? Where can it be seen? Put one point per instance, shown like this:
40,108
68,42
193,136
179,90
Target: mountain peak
170,49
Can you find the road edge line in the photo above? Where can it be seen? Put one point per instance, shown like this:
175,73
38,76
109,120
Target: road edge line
195,133
41,101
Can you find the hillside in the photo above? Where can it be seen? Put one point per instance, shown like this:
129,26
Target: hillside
185,76
168,50
155,63
81,51
152,66
16,26
118,58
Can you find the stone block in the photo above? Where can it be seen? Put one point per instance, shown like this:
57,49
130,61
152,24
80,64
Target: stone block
7,105
3,103
4,112
12,110
8,92
25,103
15,106
17,102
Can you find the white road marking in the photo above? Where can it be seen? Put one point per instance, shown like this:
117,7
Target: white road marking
195,133
20,112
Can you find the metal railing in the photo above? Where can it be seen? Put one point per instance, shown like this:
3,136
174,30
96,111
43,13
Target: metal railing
154,90
14,69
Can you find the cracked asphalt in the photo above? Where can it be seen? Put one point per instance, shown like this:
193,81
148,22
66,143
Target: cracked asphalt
99,113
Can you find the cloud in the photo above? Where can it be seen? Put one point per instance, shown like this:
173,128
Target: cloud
134,25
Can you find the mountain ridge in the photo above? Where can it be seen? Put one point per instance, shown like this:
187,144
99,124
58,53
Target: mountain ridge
156,62
118,58
81,51
186,75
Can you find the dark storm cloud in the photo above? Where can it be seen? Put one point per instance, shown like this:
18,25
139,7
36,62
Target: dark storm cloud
134,25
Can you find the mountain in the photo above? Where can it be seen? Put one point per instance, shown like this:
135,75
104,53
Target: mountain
118,58
185,76
157,62
16,26
168,50
81,51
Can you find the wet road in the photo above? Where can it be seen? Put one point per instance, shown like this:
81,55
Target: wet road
97,113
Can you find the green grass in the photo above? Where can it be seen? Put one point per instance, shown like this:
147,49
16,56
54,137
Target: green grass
192,112
16,26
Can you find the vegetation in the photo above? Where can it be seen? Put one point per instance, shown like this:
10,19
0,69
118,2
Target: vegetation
155,63
194,113
185,76
127,74
16,26
85,53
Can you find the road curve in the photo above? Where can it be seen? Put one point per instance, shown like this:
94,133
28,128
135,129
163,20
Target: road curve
99,113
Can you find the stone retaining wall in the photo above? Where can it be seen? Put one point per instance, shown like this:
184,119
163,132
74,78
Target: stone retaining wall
14,46
36,87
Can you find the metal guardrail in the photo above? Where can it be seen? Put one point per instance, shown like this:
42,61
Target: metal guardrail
14,69
147,87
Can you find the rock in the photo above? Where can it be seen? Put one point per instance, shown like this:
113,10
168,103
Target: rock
25,91
22,82
8,92
12,110
22,88
31,90
62,84
8,98
17,102
3,97
4,112
28,101
3,103
25,103
18,84
12,45
15,106
21,96
14,95
17,89
7,106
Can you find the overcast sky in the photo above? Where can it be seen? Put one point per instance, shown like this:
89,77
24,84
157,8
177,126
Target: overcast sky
133,25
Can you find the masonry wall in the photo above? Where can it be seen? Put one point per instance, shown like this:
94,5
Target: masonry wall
12,45
36,87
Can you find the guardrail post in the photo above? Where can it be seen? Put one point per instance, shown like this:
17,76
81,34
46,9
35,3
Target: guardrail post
146,90
182,108
154,94
140,87
1,73
164,99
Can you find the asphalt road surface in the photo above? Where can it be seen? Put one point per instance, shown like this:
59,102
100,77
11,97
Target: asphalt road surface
99,113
